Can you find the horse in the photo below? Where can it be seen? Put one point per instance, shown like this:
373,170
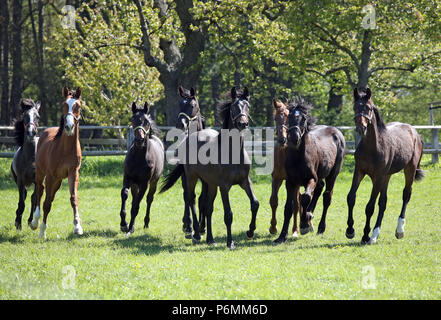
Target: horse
190,120
143,166
59,157
314,154
384,150
227,165
278,175
23,164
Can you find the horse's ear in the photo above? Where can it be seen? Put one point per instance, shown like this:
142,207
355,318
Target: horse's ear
77,94
192,92
246,93
146,108
356,94
368,93
134,107
275,103
233,93
38,105
181,91
65,92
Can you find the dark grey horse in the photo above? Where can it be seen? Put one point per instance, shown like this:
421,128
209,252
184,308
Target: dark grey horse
315,154
228,165
190,120
23,165
143,166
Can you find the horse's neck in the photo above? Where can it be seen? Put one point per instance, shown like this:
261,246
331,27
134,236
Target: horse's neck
29,149
372,139
70,144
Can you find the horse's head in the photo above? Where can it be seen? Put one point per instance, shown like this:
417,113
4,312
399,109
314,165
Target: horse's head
239,109
188,108
299,121
281,113
71,110
363,109
30,118
141,124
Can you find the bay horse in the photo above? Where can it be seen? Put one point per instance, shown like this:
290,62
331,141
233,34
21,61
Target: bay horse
278,175
228,165
59,157
382,151
314,154
23,164
190,120
143,166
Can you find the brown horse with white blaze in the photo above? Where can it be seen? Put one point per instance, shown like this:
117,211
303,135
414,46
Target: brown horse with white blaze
59,157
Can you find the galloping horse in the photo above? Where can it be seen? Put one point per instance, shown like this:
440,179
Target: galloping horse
143,166
23,165
228,165
59,157
278,175
190,120
314,154
382,151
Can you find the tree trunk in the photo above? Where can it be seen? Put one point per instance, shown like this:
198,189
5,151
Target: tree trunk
17,72
4,61
335,101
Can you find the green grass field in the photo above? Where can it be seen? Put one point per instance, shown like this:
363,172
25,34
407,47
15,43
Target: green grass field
159,263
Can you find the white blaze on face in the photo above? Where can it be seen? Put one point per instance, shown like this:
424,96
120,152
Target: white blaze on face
70,118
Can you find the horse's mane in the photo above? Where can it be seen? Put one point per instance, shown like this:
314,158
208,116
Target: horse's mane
19,132
380,123
60,128
298,103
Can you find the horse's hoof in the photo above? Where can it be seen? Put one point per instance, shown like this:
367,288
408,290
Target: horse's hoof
231,246
372,241
78,230
350,234
146,226
279,240
195,240
42,234
365,240
304,231
295,235
212,243
273,230
399,235
124,228
18,226
188,235
250,234
201,231
34,225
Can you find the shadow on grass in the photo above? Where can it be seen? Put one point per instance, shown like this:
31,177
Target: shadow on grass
144,244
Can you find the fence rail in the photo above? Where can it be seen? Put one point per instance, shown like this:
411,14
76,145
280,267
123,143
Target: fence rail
264,148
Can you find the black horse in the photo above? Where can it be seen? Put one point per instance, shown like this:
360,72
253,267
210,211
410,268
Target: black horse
23,165
382,151
190,120
143,166
314,154
228,164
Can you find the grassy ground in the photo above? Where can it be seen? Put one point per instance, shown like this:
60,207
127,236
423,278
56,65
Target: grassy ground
159,263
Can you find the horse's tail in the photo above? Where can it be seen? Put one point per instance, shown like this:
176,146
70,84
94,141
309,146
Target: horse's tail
419,174
172,177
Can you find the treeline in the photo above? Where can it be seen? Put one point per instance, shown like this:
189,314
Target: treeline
125,51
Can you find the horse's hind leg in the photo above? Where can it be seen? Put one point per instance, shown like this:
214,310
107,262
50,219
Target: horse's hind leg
210,196
305,217
33,205
202,204
186,221
369,211
191,196
317,192
150,197
21,204
137,195
409,173
274,202
381,208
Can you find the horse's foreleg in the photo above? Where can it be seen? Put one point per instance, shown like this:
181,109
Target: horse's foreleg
381,208
291,196
21,204
124,196
274,202
186,221
248,187
137,195
228,215
73,179
150,197
305,199
369,211
356,179
52,186
39,189
33,204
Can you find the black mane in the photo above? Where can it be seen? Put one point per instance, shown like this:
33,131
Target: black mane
19,132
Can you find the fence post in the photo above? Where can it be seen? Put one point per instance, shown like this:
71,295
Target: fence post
435,145
130,137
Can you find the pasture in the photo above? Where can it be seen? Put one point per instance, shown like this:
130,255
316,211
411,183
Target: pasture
159,263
